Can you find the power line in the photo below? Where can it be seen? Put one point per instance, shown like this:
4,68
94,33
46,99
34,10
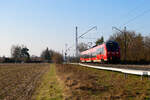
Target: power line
135,8
89,38
95,27
129,21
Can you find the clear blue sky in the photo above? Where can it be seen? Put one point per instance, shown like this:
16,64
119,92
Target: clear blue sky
51,23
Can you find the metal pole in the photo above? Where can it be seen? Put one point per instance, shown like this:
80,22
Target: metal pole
125,75
125,44
125,41
66,52
141,77
76,41
63,54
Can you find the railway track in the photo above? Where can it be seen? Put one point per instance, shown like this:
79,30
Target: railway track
124,66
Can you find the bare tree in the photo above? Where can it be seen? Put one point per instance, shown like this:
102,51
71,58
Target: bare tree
134,45
82,47
20,53
46,55
16,52
100,41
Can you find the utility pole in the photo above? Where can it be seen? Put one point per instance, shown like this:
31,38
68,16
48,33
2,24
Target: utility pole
63,54
125,44
66,52
76,38
125,41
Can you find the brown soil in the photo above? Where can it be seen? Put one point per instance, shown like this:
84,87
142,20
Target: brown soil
18,81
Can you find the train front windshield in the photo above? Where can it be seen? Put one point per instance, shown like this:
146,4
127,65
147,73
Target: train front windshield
112,46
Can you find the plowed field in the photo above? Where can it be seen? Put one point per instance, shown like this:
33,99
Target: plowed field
19,81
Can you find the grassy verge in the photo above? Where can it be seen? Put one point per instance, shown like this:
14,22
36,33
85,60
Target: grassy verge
50,88
84,83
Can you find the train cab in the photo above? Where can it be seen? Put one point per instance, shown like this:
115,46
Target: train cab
112,51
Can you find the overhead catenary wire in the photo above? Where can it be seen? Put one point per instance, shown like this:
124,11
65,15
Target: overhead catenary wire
89,38
95,27
135,8
134,18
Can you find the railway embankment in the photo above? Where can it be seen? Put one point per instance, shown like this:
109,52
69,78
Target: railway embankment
83,83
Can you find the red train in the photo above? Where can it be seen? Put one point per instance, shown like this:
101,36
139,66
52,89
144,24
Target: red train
106,52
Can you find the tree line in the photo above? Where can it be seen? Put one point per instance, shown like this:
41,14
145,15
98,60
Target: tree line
20,54
137,46
137,50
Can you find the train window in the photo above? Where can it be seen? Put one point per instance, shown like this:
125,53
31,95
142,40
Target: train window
82,56
102,52
112,46
98,51
86,56
89,54
94,54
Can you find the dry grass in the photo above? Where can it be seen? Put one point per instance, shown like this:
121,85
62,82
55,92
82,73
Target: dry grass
84,83
18,81
50,88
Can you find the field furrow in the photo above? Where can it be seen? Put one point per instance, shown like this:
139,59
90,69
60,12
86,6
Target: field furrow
18,82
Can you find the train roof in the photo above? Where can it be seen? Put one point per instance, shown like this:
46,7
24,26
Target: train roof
92,49
111,41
